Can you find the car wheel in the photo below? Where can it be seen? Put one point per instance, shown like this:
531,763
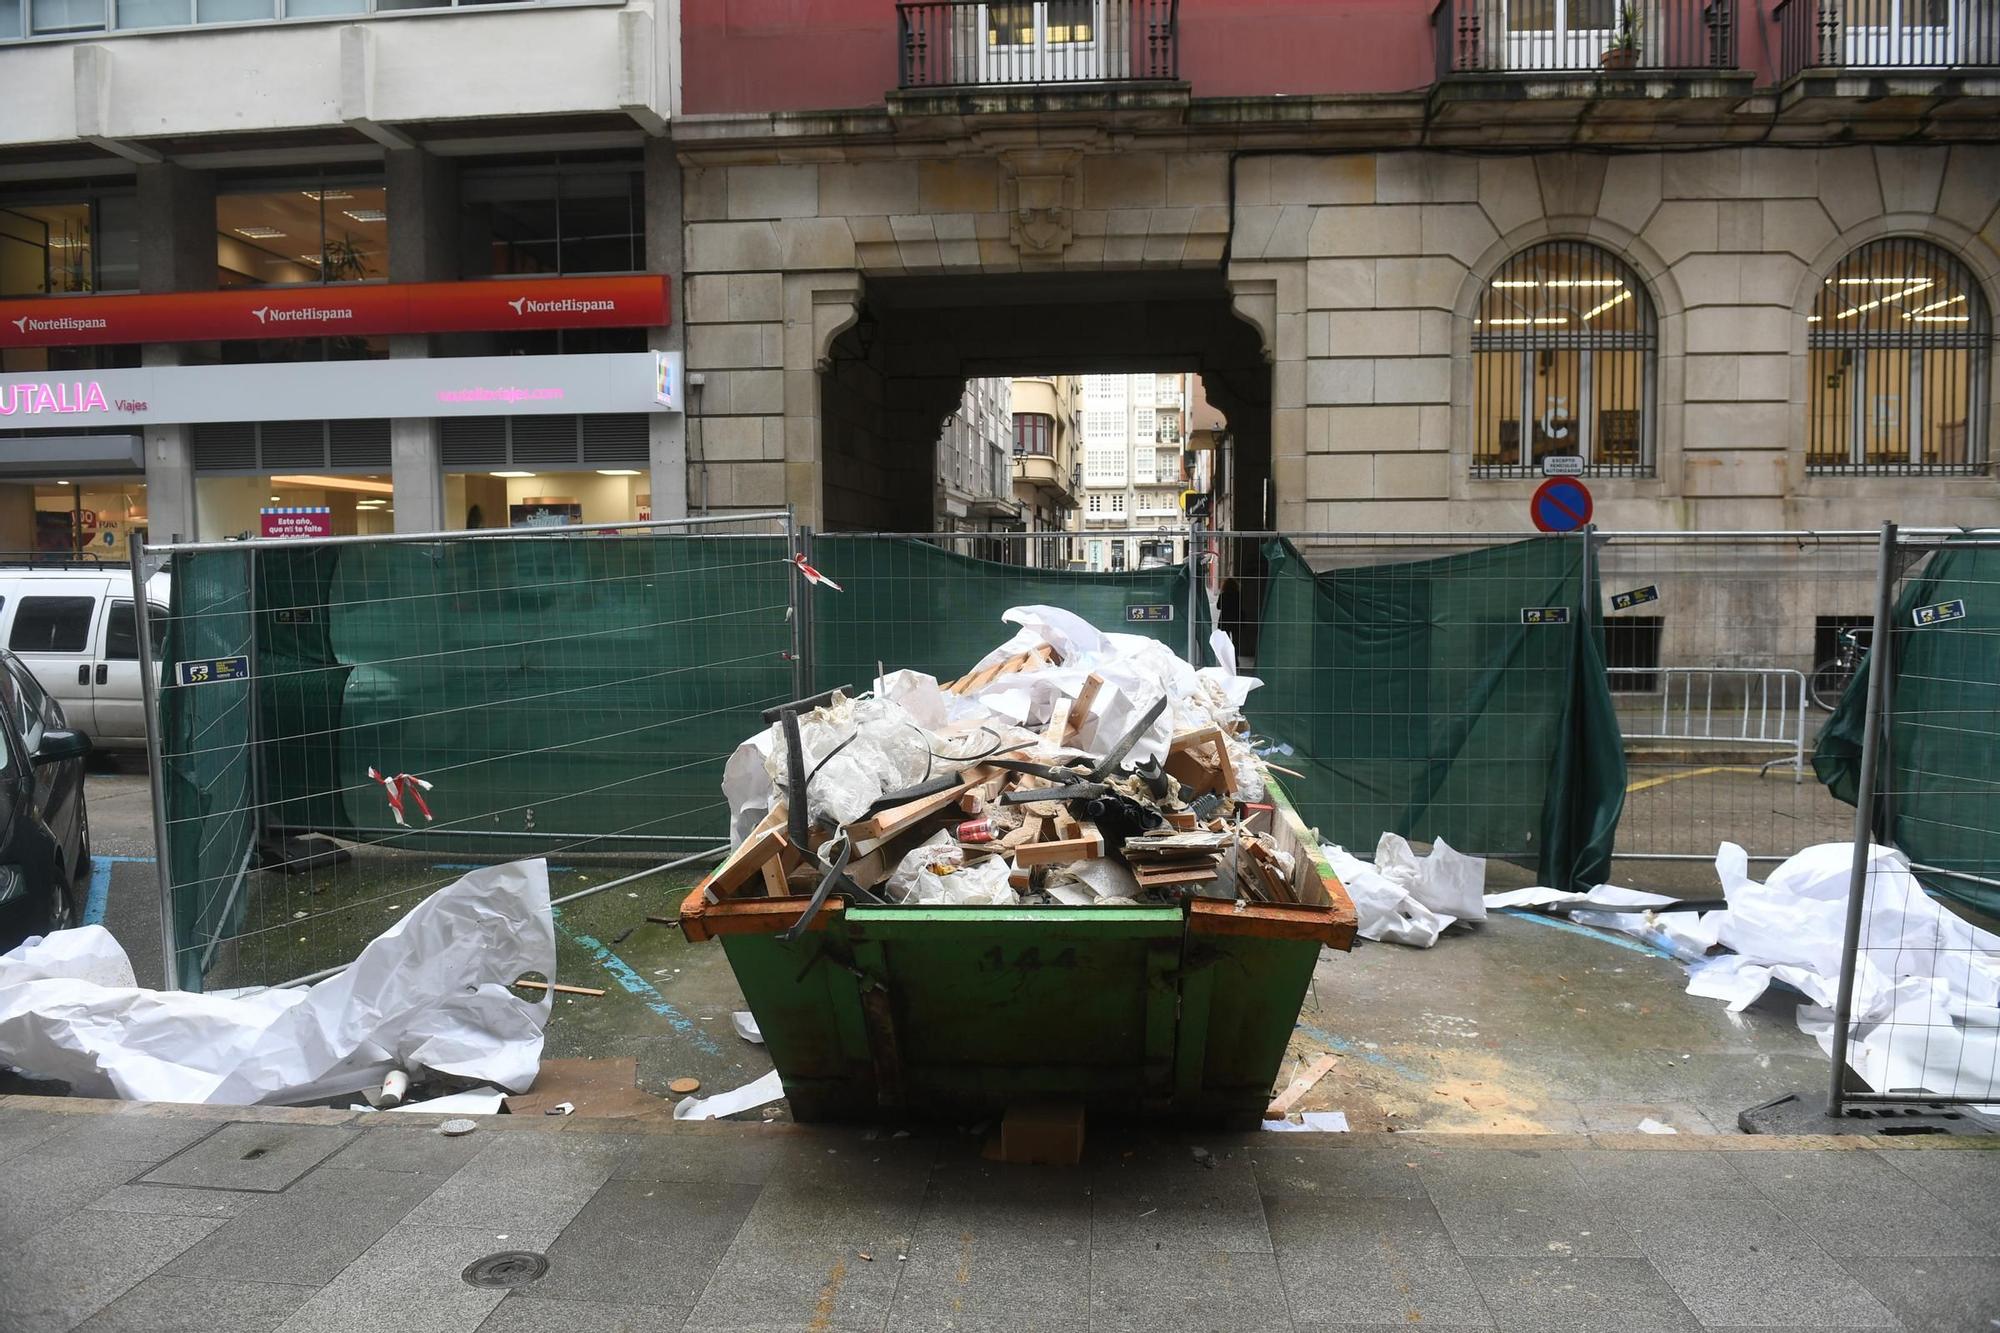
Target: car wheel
62,911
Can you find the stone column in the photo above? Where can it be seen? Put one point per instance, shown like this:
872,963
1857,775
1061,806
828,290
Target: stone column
176,254
423,247
664,251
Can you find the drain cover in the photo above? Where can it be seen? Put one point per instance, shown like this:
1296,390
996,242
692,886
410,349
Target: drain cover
509,1268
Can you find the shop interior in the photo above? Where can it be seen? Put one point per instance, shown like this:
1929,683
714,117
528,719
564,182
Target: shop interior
519,499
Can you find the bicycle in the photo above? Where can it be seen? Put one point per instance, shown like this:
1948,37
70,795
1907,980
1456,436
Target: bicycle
1831,677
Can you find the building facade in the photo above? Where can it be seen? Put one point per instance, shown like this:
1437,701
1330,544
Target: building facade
348,262
1135,468
1048,465
975,489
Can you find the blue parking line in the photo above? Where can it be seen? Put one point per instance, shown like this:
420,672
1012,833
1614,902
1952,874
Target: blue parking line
100,884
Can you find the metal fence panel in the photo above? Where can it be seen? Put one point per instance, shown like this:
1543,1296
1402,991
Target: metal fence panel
421,701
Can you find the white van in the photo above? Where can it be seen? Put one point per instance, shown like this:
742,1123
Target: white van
75,629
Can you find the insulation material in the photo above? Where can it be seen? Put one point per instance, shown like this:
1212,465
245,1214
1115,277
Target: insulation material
1401,900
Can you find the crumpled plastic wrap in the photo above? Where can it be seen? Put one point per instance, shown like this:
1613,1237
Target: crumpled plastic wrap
919,881
1401,900
432,992
889,751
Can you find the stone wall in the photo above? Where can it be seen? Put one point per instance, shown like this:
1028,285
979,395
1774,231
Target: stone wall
1360,273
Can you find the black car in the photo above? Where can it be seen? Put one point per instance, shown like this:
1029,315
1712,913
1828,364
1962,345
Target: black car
44,828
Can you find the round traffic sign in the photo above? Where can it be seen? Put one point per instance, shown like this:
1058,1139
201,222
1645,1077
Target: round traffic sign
1561,504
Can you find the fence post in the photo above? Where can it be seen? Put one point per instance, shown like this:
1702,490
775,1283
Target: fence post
800,688
1194,594
1864,814
149,693
807,673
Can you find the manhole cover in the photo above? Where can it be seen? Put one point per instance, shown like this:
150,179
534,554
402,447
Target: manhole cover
509,1268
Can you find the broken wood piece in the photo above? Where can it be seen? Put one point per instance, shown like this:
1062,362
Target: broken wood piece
888,823
748,860
775,883
559,987
1057,732
1200,759
1281,1105
1088,847
1067,825
1079,707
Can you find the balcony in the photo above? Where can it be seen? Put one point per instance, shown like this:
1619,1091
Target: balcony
1613,38
1888,37
974,44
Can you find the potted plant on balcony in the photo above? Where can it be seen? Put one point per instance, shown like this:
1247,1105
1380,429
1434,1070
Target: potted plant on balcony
1623,53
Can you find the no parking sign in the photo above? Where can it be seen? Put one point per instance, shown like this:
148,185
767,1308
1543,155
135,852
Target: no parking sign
1560,504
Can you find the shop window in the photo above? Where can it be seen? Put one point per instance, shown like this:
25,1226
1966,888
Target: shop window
1632,652
111,356
576,218
52,625
1563,346
273,351
310,231
67,247
1898,346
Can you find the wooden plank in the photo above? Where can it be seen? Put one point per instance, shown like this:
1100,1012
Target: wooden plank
1166,876
775,885
1079,708
559,988
894,820
1089,847
1057,732
747,860
1281,1105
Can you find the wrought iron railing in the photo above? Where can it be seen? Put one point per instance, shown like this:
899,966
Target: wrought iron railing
1611,37
974,43
1915,35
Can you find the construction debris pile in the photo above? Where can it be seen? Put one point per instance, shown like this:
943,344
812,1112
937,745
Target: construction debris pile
1069,767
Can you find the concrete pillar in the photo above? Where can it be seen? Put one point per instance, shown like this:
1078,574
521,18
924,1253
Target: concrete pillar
176,254
664,254
423,247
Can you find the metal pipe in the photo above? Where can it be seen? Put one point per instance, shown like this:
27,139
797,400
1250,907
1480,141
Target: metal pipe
481,534
149,693
1864,817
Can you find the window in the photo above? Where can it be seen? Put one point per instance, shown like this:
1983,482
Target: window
63,248
1142,467
52,625
1096,504
1117,503
1104,466
121,634
1104,425
1564,348
1144,423
1897,351
314,230
1169,466
562,218
1034,433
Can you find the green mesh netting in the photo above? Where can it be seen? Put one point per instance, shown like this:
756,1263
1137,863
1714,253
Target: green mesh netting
1419,702
205,737
913,605
1941,790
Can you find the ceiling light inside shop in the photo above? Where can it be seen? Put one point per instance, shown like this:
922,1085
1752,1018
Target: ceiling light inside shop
512,476
260,233
360,484
365,214
327,196
618,472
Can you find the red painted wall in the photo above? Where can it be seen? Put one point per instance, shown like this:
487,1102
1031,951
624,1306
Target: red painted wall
825,55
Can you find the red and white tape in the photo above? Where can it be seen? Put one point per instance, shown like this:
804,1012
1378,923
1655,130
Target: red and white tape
813,575
401,787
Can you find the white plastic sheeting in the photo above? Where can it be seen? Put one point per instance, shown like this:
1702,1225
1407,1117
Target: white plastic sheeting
430,993
1402,900
1926,1006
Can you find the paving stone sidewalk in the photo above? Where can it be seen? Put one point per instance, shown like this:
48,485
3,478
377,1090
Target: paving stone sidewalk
227,1220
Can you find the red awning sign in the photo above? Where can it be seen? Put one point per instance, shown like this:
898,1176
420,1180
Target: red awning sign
244,313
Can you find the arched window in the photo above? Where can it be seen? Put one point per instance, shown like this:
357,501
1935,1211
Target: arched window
1563,347
1897,363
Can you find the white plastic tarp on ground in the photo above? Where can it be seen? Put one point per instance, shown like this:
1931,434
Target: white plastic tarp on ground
1402,900
429,993
1926,1006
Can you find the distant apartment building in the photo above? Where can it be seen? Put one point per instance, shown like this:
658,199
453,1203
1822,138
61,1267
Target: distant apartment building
1048,466
1134,469
974,491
